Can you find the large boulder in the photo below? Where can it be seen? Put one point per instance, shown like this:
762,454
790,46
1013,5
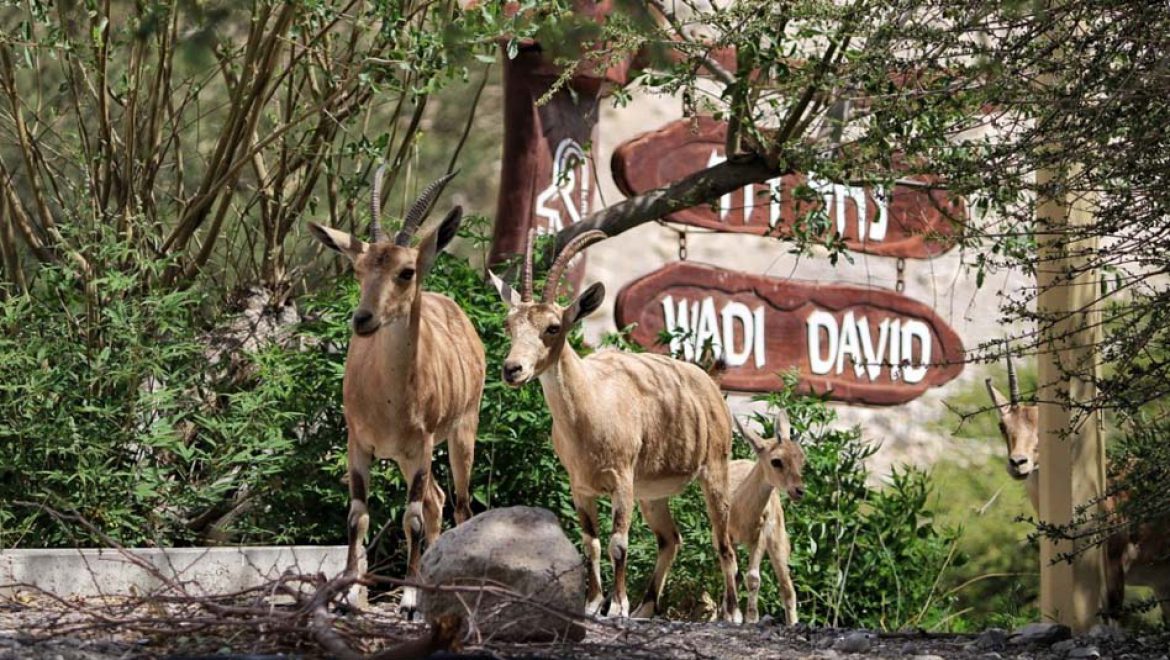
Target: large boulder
521,549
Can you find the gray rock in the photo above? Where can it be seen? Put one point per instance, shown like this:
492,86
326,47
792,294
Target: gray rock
991,656
854,642
1065,646
825,642
522,549
1106,632
1084,652
928,656
992,639
1040,633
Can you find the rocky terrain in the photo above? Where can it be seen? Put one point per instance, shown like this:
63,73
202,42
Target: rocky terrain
23,635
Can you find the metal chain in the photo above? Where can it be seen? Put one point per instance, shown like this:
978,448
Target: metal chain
682,245
900,285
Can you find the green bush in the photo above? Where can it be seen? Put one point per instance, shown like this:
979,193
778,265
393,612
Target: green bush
119,419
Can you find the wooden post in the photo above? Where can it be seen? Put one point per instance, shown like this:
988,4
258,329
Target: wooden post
1072,449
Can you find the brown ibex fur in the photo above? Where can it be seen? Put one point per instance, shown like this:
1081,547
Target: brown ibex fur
757,515
414,375
628,426
1137,554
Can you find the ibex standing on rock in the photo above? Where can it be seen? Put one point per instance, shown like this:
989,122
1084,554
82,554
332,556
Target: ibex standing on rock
1137,554
414,374
629,426
757,516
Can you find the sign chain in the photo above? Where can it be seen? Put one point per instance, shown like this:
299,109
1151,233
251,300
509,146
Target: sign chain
682,245
900,285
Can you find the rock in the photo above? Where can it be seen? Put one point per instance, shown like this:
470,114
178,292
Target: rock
1109,633
1040,633
854,642
992,639
928,656
1084,652
522,549
1065,646
991,656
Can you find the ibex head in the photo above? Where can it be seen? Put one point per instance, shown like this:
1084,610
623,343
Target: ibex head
391,272
538,329
1017,424
781,456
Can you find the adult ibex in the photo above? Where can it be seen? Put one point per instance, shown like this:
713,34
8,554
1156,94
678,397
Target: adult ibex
414,374
628,426
1137,554
757,516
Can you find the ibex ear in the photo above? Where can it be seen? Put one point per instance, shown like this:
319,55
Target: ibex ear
338,241
758,444
585,304
1001,402
509,295
438,239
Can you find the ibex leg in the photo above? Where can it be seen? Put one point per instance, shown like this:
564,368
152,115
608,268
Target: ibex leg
658,518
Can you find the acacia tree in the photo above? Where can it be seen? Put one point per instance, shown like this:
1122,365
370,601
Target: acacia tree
197,135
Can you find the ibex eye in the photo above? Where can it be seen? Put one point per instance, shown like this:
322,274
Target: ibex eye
552,330
777,463
406,274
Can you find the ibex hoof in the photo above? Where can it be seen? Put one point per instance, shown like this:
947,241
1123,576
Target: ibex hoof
593,607
619,609
408,606
645,611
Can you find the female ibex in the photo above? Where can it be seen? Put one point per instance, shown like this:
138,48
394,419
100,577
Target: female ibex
414,374
1137,554
630,426
757,516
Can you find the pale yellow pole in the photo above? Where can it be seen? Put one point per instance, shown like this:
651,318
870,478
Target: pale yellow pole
1072,449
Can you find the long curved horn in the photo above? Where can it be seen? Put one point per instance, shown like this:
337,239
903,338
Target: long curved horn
420,208
376,234
1013,382
562,262
526,278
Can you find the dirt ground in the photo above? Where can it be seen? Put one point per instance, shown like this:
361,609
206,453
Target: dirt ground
79,631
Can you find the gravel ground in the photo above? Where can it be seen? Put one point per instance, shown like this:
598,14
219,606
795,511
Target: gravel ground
79,633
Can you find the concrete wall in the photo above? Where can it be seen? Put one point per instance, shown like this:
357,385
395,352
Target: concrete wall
105,572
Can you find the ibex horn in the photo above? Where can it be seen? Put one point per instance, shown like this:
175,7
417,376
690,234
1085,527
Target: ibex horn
376,234
562,261
526,278
1013,382
420,209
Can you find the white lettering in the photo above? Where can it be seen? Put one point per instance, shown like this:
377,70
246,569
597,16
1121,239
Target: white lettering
732,312
819,362
914,373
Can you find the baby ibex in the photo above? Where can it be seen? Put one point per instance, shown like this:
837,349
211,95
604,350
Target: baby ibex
414,374
757,516
1138,554
629,426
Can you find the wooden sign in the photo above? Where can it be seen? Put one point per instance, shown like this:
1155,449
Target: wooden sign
546,175
856,344
913,220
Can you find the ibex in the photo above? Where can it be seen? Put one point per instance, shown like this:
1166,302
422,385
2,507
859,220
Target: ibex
414,374
757,516
1137,554
628,426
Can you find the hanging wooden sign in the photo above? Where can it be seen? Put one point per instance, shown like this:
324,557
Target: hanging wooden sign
546,173
856,344
912,221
